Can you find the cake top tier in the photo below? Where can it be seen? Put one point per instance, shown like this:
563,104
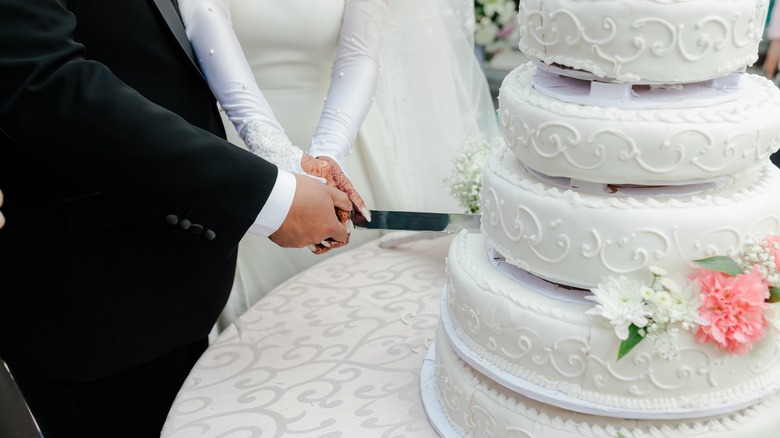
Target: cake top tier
665,41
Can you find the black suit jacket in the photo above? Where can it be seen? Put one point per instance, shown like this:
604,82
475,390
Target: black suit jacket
124,205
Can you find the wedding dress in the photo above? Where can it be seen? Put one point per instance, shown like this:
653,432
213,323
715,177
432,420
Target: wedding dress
430,98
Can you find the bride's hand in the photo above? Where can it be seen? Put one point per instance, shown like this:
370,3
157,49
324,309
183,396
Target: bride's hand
330,171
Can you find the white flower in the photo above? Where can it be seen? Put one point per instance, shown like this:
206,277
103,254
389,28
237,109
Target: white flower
507,12
486,31
685,303
657,271
658,311
670,285
760,253
662,299
466,179
495,25
621,303
493,8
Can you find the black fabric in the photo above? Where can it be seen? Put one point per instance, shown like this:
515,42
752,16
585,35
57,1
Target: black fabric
133,403
106,129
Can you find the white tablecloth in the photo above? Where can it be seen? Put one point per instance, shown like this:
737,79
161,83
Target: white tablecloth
334,352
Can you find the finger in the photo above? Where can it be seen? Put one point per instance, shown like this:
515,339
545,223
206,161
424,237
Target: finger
339,233
322,248
345,185
319,249
340,199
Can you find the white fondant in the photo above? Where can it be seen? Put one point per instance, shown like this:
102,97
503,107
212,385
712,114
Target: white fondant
475,406
549,349
661,162
671,41
647,146
575,238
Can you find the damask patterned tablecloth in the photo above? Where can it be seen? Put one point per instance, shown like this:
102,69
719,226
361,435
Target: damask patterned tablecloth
334,352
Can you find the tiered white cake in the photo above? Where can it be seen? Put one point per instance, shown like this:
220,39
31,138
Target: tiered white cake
635,144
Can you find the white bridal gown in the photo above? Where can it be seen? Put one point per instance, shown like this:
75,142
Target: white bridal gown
404,148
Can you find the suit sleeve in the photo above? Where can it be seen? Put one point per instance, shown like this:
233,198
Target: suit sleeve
77,116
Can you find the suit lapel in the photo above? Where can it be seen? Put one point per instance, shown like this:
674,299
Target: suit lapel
172,18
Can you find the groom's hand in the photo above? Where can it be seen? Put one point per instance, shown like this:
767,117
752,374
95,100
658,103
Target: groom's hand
312,217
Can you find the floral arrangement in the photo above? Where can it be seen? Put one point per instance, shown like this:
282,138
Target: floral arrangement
466,180
656,311
727,302
496,26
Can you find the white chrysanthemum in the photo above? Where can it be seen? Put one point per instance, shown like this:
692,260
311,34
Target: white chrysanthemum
657,271
685,304
662,299
670,285
621,303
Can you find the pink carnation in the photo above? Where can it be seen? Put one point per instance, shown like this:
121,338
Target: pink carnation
733,306
771,241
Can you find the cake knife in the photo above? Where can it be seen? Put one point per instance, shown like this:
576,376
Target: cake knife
418,221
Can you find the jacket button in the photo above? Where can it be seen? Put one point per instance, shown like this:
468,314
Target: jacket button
196,229
185,224
209,235
172,219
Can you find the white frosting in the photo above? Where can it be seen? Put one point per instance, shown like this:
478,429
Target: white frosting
671,41
612,145
575,238
518,356
549,342
478,407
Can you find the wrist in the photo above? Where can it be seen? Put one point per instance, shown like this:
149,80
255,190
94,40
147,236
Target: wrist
321,150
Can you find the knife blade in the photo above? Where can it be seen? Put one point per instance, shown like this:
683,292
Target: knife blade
418,221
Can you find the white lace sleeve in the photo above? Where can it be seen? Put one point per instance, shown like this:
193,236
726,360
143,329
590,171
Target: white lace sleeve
230,78
353,79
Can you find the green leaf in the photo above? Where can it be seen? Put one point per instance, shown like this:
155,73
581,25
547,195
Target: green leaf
633,338
774,294
721,264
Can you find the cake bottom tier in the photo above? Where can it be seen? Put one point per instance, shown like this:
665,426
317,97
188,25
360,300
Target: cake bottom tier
462,402
538,339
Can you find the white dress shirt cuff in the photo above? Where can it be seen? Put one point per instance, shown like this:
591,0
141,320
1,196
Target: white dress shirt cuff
276,207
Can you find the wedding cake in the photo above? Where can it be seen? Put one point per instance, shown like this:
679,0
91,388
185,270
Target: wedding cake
624,281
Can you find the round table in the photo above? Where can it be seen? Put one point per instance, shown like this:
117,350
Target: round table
334,352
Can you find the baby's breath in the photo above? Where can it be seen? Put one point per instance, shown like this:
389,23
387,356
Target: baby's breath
760,253
466,180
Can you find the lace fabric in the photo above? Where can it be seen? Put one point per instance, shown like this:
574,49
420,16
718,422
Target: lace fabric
273,145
